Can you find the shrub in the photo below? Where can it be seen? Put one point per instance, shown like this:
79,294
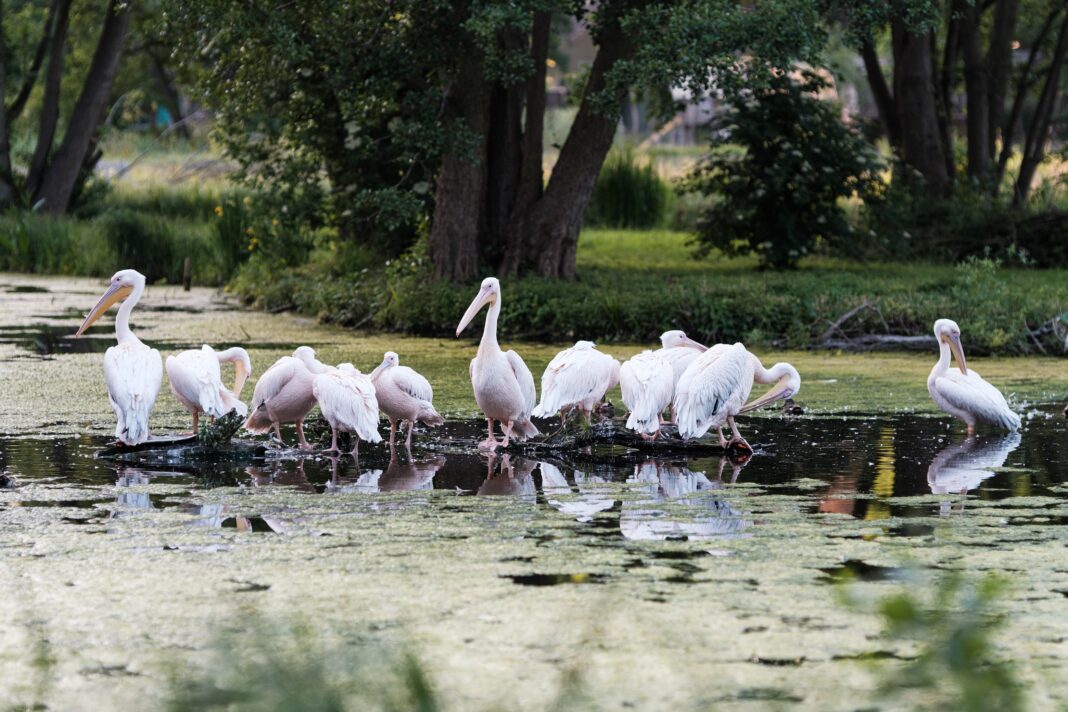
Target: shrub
780,162
628,193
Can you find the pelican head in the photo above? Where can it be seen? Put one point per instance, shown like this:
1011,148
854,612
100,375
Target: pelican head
389,360
678,339
488,293
947,332
348,368
787,384
123,284
585,345
306,355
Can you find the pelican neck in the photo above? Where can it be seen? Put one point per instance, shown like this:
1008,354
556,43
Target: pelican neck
943,356
489,331
122,321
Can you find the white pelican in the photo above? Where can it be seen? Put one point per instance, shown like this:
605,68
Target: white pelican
648,386
347,399
963,393
504,386
715,386
196,381
282,395
133,371
577,377
404,396
679,350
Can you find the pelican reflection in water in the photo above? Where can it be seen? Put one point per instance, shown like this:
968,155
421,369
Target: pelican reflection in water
714,517
510,476
401,475
582,500
962,467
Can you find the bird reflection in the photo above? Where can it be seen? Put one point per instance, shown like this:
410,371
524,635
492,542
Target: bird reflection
402,474
962,467
278,473
512,477
664,482
591,499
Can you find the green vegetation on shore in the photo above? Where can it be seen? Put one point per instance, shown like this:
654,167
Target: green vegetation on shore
632,285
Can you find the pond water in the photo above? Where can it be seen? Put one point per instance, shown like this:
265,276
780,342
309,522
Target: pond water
642,580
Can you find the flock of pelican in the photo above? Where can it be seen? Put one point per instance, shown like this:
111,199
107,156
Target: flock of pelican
703,388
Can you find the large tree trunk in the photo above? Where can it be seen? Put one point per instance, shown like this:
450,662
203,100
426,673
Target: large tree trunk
917,108
884,98
46,132
7,182
976,89
460,191
999,67
58,183
1034,150
550,228
504,155
15,110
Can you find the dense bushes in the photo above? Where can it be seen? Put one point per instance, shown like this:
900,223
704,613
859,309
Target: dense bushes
725,303
629,193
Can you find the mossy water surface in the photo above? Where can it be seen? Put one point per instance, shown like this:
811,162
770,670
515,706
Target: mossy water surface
620,580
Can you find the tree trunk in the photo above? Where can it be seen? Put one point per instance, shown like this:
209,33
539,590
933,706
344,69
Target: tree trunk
461,184
7,182
999,67
550,228
917,108
1037,132
978,106
504,153
884,98
50,101
59,181
173,98
15,110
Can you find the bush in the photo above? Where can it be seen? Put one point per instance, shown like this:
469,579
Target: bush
629,193
780,162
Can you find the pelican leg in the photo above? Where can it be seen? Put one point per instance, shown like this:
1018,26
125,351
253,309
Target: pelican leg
736,437
333,441
392,432
196,422
278,433
300,436
355,452
408,440
507,428
722,440
971,430
490,443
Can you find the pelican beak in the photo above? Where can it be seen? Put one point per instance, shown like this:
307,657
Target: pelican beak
115,293
780,391
241,375
958,353
687,341
484,297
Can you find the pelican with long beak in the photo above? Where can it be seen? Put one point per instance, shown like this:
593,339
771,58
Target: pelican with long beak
962,392
196,381
504,386
715,386
132,370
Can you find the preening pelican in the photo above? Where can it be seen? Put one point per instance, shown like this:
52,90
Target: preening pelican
196,381
404,396
504,386
133,371
648,385
347,399
283,395
577,377
961,392
715,386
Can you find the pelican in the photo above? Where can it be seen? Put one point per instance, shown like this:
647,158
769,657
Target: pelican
504,386
196,381
679,350
715,386
577,377
963,393
283,395
404,396
648,385
347,399
133,371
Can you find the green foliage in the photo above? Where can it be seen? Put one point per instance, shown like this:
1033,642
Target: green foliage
779,196
634,285
289,667
957,666
629,193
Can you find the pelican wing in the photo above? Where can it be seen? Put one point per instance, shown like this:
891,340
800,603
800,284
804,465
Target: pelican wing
348,403
133,373
576,375
714,386
647,384
275,379
196,380
680,357
526,382
412,383
974,395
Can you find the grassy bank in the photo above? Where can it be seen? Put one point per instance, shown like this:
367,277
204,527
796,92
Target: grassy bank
633,285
